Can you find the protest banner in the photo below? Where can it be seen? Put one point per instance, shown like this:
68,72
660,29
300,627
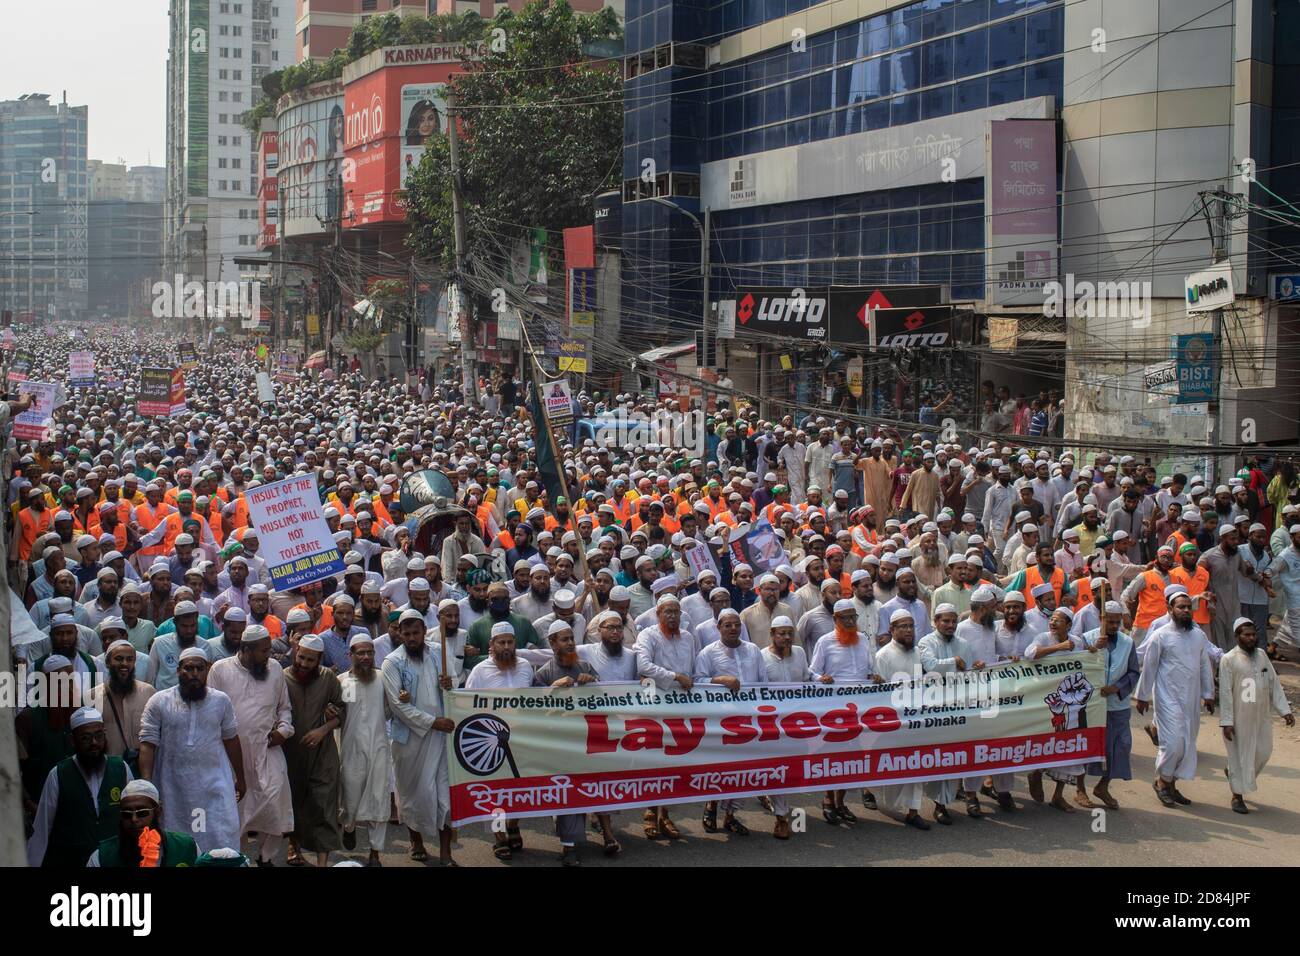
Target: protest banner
700,558
559,401
265,393
760,548
155,394
187,356
176,393
34,424
296,542
287,368
20,366
81,369
600,747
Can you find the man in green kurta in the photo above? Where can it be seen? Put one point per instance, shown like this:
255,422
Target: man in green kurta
316,698
480,632
140,841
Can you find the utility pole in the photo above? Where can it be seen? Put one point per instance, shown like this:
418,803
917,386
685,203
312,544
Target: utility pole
469,381
1214,206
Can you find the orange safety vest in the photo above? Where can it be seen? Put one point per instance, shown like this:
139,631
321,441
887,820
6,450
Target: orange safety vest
1151,599
32,528
1034,577
148,519
1197,583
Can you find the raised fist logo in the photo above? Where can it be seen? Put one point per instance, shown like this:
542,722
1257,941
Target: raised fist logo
1069,703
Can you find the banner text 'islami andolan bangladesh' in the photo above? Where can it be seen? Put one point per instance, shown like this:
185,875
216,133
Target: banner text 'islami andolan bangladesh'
295,539
596,747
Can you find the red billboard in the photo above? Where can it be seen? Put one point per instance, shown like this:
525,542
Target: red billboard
268,188
390,114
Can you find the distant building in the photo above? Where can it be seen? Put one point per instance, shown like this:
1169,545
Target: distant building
44,189
126,236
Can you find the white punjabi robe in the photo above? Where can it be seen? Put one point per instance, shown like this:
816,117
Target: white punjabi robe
1176,673
1248,691
419,752
261,706
366,766
895,662
191,769
939,655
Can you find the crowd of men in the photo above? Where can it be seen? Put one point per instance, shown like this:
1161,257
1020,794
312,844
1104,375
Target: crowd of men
216,719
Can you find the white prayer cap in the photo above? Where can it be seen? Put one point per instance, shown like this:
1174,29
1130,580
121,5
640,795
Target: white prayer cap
499,628
1173,590
769,578
1294,529
901,614
298,616
1114,607
719,590
956,559
728,612
859,575
158,567
845,604
1013,597
1041,590
446,603
354,640
263,589
827,582
419,584
60,620
619,593
235,614
781,621
1120,535
666,599
184,539
904,572
889,557
563,598
1256,527
253,633
411,614
54,662
604,616
1236,625
183,608
114,645
983,596
193,652
86,715
1069,615
141,788
945,608
557,627
311,642
736,569
111,623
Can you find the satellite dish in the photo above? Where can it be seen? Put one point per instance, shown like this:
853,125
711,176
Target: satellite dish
482,744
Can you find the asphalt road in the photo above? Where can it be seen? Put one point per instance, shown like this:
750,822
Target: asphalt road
1141,832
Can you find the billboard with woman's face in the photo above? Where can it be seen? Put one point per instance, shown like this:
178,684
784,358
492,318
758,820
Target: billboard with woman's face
424,116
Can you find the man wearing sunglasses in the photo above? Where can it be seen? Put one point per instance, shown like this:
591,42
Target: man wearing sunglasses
140,840
80,800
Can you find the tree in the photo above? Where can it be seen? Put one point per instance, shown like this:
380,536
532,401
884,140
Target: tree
541,134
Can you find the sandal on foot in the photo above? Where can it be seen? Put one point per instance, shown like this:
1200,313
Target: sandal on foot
1110,802
846,815
1062,804
419,854
611,847
670,829
831,815
502,851
1178,797
1239,805
295,858
973,807
652,831
916,822
732,825
1005,802
782,829
711,820
1036,787
1081,799
1164,795
868,800
941,815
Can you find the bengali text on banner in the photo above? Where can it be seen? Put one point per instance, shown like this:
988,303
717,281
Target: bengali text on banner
596,747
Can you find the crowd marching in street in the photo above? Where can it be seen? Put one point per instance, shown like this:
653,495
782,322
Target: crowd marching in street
216,719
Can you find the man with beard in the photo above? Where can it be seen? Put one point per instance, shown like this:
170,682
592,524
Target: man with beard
757,618
189,750
1122,670
461,542
79,799
567,669
420,598
312,756
502,668
1176,670
1038,618
450,632
819,620
498,612
122,697
413,684
104,603
366,763
907,600
1248,690
611,659
256,687
337,636
932,569
840,655
999,506
140,841
1227,571
259,611
899,661
474,604
666,654
227,643
536,601
942,651
640,592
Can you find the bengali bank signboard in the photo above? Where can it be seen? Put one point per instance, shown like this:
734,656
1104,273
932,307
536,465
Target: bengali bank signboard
1020,210
296,542
598,747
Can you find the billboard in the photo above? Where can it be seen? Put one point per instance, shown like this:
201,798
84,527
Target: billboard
196,99
392,113
310,159
268,188
1020,210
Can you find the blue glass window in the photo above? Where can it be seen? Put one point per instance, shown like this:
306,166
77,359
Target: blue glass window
904,71
904,269
774,136
821,50
1044,34
935,270
971,95
971,53
936,62
937,23
904,109
1007,86
934,229
798,132
820,91
936,102
1044,79
970,13
1007,43
906,29
967,227
800,90
845,273
875,235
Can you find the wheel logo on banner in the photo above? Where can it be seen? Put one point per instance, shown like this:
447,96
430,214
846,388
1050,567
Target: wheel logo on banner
482,744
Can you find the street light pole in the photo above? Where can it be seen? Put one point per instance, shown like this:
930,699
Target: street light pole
703,228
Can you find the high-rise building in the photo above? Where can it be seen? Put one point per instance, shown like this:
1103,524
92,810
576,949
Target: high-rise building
325,25
44,189
218,52
126,236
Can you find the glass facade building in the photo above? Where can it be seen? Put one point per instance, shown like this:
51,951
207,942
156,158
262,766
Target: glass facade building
918,62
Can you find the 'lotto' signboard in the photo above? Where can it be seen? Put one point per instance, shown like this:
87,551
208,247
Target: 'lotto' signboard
391,115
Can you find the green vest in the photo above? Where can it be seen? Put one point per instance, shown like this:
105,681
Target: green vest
79,822
45,749
178,849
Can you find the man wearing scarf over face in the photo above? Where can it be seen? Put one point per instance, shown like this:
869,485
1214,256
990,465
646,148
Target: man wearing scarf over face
498,611
841,656
312,755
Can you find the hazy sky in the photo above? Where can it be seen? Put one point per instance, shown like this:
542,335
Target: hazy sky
110,55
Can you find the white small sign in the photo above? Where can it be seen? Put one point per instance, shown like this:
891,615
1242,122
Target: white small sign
1209,290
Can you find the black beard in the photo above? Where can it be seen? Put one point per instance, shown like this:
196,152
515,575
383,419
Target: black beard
258,669
499,616
364,674
372,617
477,605
91,763
122,687
541,595
193,693
416,653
